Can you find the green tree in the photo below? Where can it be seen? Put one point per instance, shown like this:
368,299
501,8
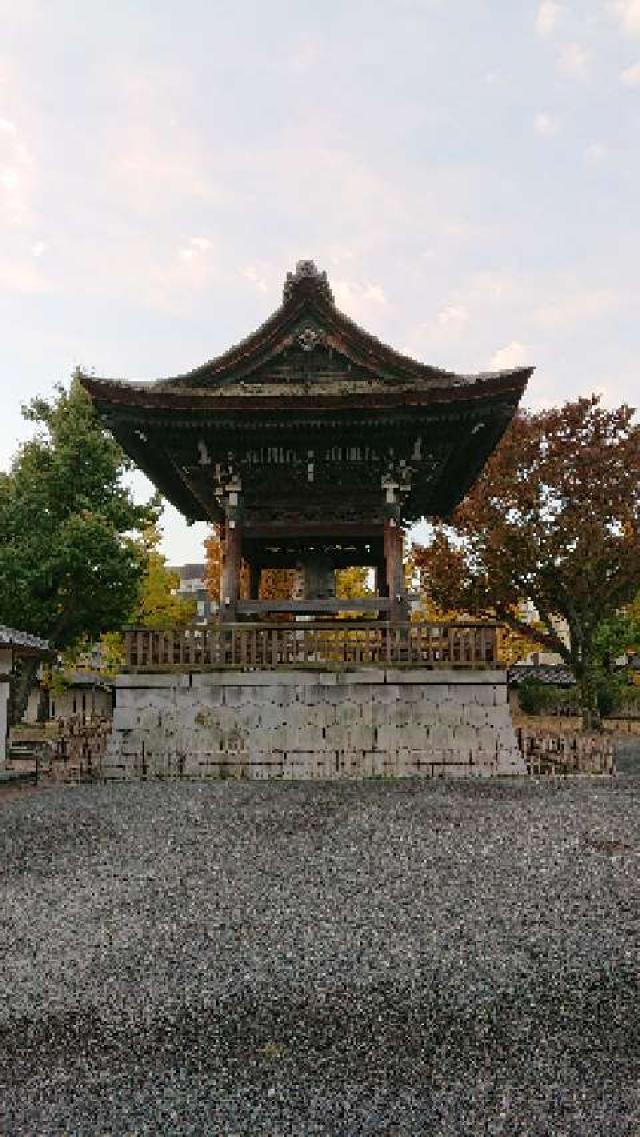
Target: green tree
617,635
554,519
157,606
71,560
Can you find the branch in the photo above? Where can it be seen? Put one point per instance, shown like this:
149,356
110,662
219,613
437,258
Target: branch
548,639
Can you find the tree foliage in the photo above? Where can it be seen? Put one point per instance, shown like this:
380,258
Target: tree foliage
352,583
553,519
70,563
618,634
158,606
213,564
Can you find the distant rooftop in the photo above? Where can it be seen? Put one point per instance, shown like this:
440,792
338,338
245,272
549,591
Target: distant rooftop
11,637
189,572
557,674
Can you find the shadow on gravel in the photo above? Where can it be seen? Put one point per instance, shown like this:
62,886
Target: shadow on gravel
627,753
582,1027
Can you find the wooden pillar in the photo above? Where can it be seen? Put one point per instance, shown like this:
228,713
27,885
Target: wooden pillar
393,541
380,579
232,558
228,493
380,585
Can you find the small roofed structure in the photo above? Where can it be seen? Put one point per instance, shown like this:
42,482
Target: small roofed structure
14,646
87,695
312,445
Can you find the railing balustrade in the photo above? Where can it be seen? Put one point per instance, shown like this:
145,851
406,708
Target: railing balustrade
287,645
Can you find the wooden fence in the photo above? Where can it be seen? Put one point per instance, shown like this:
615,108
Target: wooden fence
283,645
79,749
549,753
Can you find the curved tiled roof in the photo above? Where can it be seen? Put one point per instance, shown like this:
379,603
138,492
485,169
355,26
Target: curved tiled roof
308,369
307,298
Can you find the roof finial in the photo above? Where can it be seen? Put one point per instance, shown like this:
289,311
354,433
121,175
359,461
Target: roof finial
306,276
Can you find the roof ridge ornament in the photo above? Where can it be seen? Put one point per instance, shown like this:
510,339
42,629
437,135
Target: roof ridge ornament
306,274
311,337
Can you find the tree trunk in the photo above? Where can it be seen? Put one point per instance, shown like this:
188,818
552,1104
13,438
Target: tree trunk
587,686
22,681
42,713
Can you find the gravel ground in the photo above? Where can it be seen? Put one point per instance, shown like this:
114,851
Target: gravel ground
272,959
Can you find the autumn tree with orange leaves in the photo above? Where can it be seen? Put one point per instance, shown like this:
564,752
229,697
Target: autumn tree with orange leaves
554,519
213,564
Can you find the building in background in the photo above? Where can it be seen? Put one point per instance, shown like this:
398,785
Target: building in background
192,587
86,695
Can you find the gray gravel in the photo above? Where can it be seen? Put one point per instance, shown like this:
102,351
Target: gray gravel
375,958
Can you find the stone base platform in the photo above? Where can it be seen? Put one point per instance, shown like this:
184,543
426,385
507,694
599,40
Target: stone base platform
313,724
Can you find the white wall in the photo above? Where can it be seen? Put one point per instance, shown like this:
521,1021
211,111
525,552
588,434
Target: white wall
4,701
84,701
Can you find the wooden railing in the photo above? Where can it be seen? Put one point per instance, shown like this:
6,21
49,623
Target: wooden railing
259,646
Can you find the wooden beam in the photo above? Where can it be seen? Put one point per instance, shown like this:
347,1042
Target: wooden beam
292,559
309,607
330,531
206,501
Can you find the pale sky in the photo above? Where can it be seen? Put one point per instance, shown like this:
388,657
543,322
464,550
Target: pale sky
467,172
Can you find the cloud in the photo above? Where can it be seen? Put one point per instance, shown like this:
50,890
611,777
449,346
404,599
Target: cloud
452,314
306,55
153,162
514,354
38,248
21,275
257,277
574,61
339,254
196,247
631,75
375,293
575,308
358,298
152,177
463,331
628,15
168,278
545,125
16,176
464,230
547,17
595,154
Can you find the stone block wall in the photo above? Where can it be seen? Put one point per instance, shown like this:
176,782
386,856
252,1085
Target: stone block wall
313,724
